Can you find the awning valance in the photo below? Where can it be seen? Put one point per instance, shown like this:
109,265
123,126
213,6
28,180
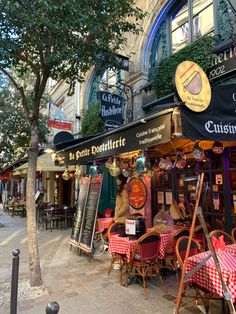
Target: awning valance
45,162
138,135
217,122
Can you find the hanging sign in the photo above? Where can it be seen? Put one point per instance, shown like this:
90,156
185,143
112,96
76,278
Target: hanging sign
193,86
138,193
111,109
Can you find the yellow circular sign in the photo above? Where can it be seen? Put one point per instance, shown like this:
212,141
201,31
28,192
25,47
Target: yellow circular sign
193,86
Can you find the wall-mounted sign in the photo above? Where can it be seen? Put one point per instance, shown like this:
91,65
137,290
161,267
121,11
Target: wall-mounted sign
138,193
111,109
223,62
193,86
141,136
58,126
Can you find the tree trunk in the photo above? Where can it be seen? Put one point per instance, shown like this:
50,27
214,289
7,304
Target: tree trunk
34,262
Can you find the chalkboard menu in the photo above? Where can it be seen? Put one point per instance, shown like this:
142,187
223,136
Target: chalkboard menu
83,191
89,214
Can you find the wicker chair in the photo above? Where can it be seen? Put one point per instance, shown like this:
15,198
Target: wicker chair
227,237
170,259
144,259
114,229
233,234
195,248
199,235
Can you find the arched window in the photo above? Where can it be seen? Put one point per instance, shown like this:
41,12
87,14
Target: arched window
190,20
179,25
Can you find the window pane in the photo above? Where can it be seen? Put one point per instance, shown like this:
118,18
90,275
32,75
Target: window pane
180,37
180,28
199,5
203,23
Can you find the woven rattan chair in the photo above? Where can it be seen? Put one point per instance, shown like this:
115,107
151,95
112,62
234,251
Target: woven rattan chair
144,259
170,259
112,230
233,234
227,237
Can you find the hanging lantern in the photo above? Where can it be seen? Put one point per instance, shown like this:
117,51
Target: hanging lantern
66,175
108,163
78,172
93,170
114,169
218,148
141,164
180,160
169,164
198,152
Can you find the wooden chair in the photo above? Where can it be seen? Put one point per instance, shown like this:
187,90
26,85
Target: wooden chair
170,259
199,235
233,234
227,237
114,229
144,259
195,248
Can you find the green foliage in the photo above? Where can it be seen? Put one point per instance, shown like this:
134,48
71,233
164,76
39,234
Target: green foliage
14,126
199,52
63,38
92,123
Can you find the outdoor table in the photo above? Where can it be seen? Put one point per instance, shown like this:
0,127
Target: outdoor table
125,245
231,248
207,276
103,223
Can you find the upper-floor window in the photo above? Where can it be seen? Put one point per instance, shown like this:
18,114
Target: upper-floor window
108,80
190,20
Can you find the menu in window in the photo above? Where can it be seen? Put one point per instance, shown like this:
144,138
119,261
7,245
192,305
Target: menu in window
89,214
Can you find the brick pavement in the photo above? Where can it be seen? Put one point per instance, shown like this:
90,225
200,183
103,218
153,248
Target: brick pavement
79,286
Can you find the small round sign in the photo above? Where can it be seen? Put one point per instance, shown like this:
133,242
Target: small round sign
193,86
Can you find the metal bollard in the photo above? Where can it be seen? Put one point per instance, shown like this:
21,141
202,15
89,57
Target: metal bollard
52,308
14,280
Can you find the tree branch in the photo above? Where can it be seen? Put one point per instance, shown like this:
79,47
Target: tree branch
19,88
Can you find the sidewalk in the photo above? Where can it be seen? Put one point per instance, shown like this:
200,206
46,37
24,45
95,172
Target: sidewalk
80,286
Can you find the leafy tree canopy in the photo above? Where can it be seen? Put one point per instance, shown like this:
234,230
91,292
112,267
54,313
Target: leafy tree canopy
14,127
63,38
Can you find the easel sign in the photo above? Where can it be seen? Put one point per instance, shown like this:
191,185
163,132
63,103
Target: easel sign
89,215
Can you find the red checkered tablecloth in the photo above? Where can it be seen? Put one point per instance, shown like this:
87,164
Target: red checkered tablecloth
123,245
207,276
231,248
103,223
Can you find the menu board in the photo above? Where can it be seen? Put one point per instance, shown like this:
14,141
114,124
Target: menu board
90,214
83,191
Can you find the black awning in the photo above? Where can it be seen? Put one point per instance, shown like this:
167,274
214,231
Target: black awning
217,122
138,135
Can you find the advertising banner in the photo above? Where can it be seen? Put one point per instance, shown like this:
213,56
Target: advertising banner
217,122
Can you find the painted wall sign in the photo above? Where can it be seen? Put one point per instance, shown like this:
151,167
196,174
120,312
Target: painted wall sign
223,62
111,109
138,193
155,131
217,122
193,86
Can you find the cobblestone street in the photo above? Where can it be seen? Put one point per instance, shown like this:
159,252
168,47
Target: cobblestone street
80,286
